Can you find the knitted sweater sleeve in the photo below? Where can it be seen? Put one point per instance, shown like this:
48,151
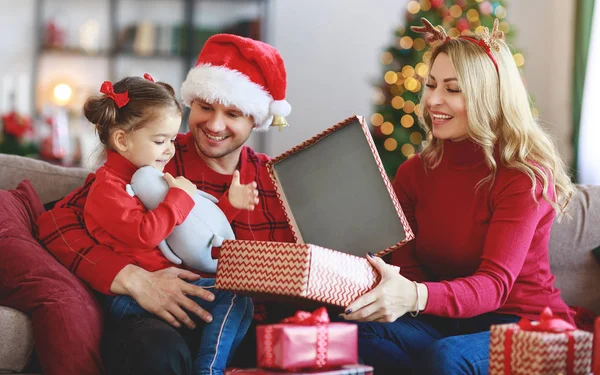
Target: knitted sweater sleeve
405,189
515,217
110,208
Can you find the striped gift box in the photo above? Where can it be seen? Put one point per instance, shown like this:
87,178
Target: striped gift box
294,270
518,352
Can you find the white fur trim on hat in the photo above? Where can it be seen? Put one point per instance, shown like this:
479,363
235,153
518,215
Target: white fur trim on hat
231,88
280,108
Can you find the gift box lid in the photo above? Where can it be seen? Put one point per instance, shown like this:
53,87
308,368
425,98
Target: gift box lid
336,193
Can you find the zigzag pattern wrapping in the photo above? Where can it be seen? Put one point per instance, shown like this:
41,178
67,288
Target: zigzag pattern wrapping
408,233
298,270
538,352
263,266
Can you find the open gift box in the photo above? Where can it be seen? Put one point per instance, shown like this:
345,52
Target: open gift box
340,205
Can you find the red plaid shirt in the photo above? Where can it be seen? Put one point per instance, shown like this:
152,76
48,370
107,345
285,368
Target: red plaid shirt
62,230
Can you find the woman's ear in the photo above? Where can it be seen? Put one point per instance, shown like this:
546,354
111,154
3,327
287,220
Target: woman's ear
120,140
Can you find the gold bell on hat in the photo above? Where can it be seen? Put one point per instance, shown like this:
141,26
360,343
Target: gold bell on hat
280,122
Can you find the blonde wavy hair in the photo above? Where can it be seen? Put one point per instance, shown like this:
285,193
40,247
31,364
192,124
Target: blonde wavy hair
499,115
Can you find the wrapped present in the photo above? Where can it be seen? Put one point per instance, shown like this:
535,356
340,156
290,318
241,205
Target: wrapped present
306,341
344,370
596,348
550,347
340,204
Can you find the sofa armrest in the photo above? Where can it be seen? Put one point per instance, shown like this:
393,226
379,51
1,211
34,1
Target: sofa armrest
16,340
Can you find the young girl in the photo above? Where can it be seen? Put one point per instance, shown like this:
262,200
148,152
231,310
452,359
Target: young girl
137,121
481,198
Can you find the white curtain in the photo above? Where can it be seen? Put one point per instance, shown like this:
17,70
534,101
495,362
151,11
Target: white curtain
589,131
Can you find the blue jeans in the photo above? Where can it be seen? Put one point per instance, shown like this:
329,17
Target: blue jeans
232,315
429,344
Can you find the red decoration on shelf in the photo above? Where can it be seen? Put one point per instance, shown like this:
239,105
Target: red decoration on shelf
16,125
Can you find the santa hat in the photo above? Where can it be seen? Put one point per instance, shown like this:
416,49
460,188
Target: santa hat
241,72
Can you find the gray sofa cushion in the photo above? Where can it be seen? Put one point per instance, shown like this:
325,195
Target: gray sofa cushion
571,244
16,340
51,182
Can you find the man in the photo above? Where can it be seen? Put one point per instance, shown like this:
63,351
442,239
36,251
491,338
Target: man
237,86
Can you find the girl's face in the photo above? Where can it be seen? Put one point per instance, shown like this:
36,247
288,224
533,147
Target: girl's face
444,102
153,144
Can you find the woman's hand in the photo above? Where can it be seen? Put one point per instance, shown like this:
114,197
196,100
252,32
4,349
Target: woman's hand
164,293
393,297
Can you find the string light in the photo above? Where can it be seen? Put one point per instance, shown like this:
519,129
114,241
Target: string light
455,11
408,71
411,84
390,77
390,144
425,5
427,57
419,44
500,12
376,119
413,7
406,42
422,70
473,15
397,102
416,138
407,149
396,90
407,121
378,97
480,29
409,106
386,58
519,59
453,32
387,128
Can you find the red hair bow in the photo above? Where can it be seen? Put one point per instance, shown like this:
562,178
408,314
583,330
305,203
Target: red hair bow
120,98
148,77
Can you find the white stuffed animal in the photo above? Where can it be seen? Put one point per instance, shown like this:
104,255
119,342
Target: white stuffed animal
205,227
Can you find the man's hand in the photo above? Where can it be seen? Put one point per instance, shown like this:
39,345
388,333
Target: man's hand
242,197
164,293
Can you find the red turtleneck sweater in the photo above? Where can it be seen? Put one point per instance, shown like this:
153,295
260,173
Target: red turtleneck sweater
116,219
477,251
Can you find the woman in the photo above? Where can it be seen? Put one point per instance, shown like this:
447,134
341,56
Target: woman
481,197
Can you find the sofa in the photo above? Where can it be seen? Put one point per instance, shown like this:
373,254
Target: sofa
40,300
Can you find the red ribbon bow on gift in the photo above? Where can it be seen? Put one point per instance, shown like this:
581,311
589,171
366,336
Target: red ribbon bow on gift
319,316
120,98
548,323
320,319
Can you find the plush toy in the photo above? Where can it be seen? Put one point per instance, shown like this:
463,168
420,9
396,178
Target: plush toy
192,241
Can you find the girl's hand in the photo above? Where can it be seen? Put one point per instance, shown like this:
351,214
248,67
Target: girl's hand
180,182
393,297
242,197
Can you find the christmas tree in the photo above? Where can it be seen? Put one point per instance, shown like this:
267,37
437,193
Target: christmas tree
396,130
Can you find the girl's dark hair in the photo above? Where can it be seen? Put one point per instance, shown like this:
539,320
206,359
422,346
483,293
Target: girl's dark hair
147,100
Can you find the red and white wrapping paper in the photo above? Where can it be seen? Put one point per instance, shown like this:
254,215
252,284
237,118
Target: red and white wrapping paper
344,370
549,347
295,270
306,341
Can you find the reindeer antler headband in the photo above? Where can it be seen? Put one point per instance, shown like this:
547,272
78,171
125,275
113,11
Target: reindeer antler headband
486,40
